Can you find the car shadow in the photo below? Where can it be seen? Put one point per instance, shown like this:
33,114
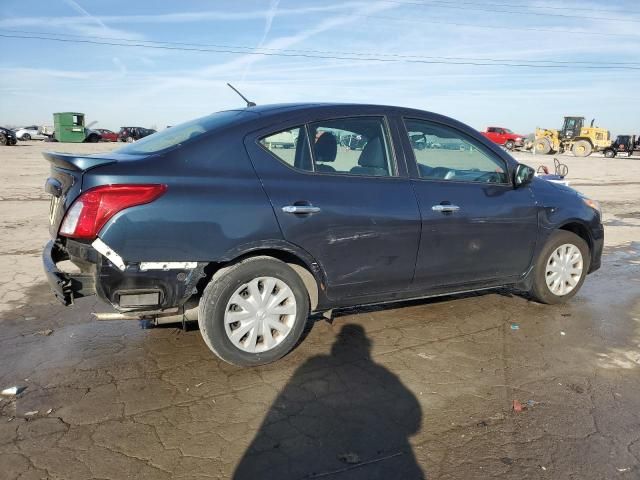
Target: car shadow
341,416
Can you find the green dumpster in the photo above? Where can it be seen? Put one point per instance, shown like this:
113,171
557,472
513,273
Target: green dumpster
69,127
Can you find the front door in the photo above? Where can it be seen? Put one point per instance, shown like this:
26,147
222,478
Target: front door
348,203
475,226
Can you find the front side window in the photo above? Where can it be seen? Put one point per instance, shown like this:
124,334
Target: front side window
447,154
355,146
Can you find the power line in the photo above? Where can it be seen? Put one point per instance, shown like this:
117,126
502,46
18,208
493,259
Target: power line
372,58
500,27
321,52
491,8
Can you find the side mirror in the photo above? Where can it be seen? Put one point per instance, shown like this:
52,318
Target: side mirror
523,175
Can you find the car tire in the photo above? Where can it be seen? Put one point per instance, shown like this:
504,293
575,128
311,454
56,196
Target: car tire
25,137
509,144
240,291
609,153
129,140
4,140
558,255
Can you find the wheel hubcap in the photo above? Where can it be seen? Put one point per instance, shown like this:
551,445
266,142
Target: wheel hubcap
260,314
564,269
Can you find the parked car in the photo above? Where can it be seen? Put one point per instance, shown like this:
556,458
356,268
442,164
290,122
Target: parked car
504,136
7,137
353,141
627,144
107,135
32,132
204,221
131,134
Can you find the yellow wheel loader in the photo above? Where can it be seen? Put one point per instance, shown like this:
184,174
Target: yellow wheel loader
573,137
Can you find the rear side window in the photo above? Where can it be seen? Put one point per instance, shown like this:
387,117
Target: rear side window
354,146
443,153
351,146
179,134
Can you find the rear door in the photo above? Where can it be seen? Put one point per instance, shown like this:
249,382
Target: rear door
475,226
350,205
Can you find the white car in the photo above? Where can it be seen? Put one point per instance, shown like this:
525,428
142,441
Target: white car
30,133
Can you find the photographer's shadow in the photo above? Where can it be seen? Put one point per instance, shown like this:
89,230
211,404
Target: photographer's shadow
340,416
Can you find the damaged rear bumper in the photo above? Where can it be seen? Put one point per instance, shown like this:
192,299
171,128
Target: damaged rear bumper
65,286
128,287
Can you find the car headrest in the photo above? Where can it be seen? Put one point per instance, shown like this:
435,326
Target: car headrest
372,155
326,147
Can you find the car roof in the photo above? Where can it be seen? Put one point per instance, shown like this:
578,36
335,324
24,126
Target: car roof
283,111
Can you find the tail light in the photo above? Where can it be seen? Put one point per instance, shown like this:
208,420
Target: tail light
96,206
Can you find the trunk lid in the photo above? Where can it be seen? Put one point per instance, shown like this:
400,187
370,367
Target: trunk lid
65,183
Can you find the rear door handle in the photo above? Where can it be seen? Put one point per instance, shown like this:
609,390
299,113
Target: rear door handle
445,208
300,209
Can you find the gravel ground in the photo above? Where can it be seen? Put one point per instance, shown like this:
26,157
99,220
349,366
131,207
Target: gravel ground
411,390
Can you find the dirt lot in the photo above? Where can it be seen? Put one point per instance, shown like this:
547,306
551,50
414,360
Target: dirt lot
412,390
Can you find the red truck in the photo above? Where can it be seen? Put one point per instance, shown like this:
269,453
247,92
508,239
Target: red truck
504,136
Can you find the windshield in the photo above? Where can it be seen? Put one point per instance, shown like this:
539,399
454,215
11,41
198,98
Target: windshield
175,136
506,130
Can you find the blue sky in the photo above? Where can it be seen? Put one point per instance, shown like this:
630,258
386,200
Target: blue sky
116,85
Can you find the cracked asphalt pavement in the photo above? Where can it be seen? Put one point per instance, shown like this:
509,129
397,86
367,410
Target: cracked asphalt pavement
421,389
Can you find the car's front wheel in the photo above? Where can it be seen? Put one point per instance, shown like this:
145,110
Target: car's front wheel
25,137
561,268
254,312
509,144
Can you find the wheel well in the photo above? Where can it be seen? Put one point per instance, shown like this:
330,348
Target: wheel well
295,262
580,230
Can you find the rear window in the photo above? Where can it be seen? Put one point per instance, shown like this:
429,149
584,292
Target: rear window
178,134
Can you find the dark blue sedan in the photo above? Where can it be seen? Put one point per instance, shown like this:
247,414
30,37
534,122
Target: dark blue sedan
250,219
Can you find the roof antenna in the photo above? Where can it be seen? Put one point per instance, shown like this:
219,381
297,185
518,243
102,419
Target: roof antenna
249,103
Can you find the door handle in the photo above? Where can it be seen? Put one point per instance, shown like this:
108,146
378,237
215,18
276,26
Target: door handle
445,208
300,209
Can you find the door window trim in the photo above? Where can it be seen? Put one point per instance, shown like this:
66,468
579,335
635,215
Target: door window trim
482,148
305,124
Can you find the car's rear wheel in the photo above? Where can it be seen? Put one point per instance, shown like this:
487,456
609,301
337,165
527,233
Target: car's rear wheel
609,153
129,140
254,312
3,140
561,268
25,137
